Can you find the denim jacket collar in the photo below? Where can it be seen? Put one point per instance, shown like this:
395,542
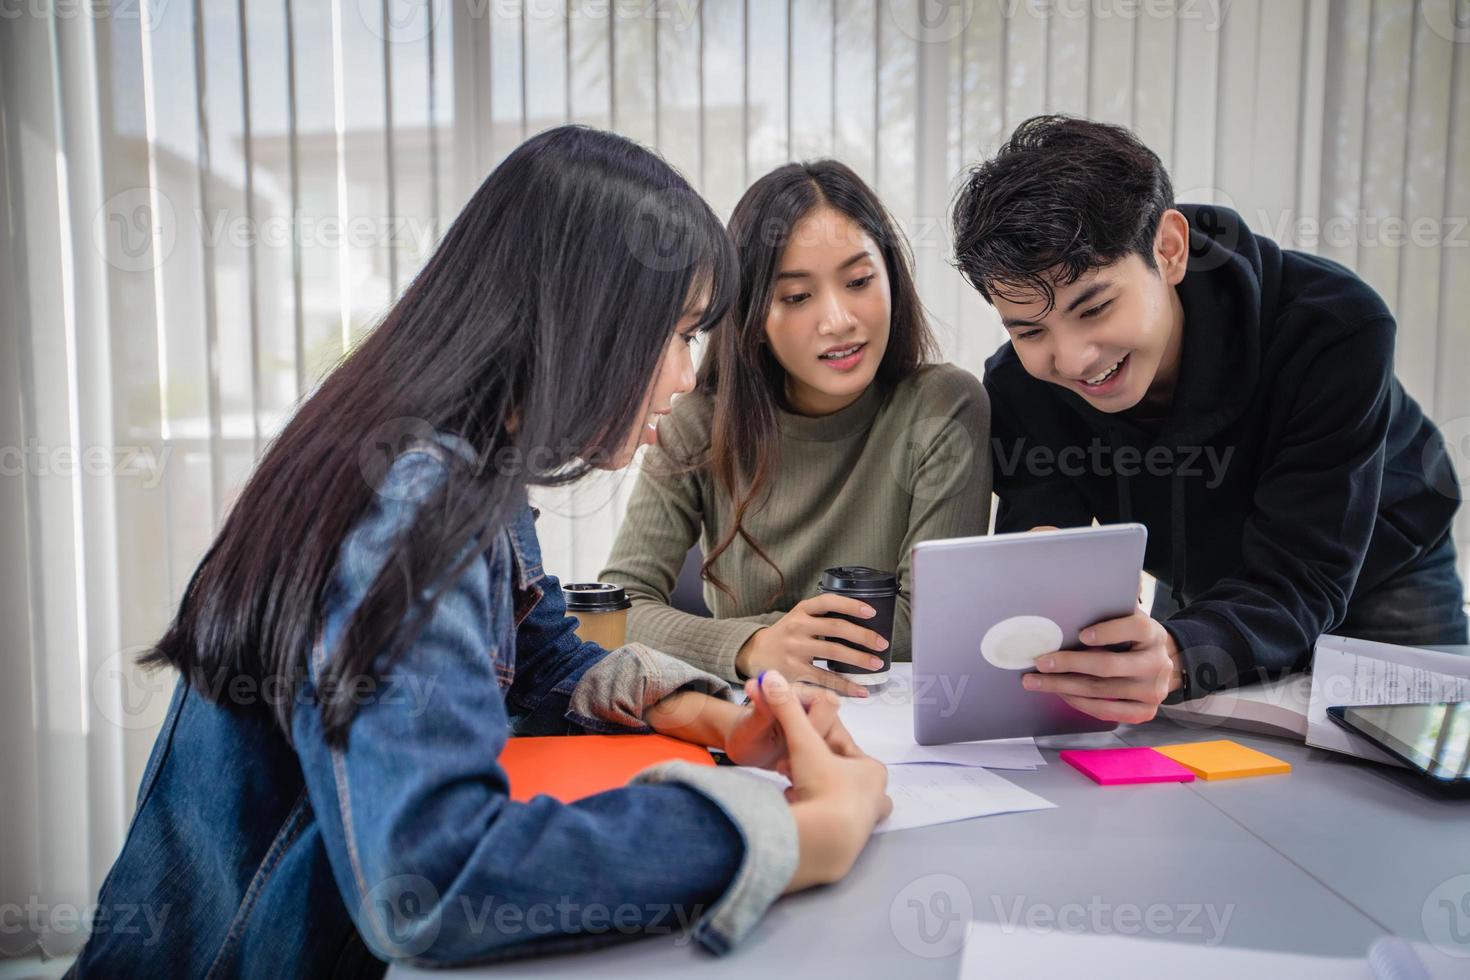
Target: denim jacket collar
524,547
521,529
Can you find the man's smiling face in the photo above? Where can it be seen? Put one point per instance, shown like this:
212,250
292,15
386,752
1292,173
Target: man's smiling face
1114,335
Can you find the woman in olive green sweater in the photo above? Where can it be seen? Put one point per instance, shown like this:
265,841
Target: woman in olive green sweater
819,435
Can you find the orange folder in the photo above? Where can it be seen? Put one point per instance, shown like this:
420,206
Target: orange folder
570,767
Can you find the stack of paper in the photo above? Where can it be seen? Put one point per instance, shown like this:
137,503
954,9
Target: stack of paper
925,795
882,724
932,784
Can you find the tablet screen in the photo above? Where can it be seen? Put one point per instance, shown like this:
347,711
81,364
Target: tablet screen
1436,737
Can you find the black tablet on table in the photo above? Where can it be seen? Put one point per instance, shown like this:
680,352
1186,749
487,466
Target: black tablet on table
1431,739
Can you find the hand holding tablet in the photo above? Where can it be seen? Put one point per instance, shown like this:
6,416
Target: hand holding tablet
1012,632
1125,686
1101,685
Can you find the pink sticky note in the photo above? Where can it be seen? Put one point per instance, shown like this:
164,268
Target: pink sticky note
1120,767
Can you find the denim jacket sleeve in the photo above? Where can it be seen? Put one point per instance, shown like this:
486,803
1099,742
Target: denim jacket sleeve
436,863
561,684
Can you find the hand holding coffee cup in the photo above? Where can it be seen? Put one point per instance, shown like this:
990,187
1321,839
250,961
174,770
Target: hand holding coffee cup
879,591
808,633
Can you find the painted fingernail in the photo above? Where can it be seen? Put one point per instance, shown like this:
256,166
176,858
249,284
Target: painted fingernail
760,680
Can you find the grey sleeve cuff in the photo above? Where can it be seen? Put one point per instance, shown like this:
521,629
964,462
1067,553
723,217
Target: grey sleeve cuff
614,694
726,638
758,808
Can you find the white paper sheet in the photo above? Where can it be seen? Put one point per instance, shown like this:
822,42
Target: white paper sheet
1125,947
883,726
1346,671
1014,950
926,795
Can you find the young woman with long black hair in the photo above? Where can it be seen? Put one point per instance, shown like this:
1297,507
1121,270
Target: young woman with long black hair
821,435
373,622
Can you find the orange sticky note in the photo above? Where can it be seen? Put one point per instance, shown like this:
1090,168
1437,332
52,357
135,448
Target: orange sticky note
1223,759
571,767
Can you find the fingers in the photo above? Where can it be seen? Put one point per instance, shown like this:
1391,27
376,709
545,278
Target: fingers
1044,527
790,714
840,741
828,650
830,602
830,680
823,714
1149,688
1125,712
877,772
1137,628
821,706
1098,663
822,710
851,632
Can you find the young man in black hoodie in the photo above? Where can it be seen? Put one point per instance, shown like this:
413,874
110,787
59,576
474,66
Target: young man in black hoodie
1168,366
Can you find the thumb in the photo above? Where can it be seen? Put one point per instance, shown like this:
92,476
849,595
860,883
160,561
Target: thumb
783,704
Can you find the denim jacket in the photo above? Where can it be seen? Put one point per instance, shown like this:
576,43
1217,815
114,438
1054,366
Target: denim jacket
251,854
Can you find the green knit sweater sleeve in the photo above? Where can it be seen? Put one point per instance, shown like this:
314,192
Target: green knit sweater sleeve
662,522
948,473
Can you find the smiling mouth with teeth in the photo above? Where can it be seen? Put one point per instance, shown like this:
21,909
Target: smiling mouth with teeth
1103,378
837,355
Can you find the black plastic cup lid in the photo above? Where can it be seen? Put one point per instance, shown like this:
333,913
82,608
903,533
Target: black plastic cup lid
859,580
595,597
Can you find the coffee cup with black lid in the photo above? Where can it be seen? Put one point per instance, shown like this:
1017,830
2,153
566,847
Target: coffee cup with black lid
877,589
601,609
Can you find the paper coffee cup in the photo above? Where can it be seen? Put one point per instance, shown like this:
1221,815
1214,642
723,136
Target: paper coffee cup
876,588
601,609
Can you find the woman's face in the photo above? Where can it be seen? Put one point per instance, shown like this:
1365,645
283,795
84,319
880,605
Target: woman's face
675,376
829,316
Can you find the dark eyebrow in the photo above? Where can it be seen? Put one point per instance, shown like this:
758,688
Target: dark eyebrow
1085,296
1089,293
802,273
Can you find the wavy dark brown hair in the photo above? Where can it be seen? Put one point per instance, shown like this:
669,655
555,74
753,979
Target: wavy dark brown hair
743,377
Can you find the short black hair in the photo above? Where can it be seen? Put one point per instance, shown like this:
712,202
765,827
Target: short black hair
1063,196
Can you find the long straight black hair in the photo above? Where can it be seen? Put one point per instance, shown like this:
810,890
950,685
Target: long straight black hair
532,332
741,373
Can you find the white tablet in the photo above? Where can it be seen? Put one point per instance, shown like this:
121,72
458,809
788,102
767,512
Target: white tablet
984,608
